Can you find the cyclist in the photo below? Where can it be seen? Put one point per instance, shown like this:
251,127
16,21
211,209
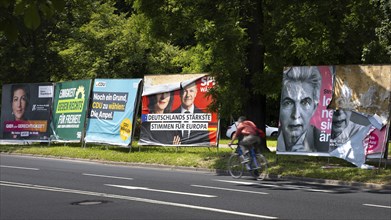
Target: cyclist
249,136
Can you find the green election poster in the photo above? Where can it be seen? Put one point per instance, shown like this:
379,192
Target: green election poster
69,110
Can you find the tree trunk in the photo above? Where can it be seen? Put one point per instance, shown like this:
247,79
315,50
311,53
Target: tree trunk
255,109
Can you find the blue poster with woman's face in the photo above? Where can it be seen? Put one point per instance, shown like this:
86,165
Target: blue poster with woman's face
112,112
25,111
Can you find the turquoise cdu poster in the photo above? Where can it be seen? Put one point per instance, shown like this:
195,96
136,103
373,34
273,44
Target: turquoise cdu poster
112,112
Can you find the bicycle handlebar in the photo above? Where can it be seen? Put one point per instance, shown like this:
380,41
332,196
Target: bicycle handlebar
229,145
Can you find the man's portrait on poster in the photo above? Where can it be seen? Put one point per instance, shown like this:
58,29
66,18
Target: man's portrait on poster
343,129
188,94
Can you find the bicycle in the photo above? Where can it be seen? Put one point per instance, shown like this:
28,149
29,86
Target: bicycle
257,164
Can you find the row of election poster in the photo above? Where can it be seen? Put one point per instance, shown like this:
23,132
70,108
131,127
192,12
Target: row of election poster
175,113
69,109
25,111
113,111
58,112
340,111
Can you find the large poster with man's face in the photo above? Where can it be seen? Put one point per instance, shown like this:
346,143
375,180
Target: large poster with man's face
340,111
26,111
112,113
175,111
69,109
361,98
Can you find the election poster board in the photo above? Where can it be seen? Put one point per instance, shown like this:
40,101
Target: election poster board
69,109
111,118
352,115
377,142
26,111
305,121
365,90
175,111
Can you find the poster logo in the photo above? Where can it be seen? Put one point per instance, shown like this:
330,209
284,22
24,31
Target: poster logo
80,93
100,84
45,91
125,129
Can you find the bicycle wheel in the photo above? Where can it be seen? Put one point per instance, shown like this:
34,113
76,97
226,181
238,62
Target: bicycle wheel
259,167
235,167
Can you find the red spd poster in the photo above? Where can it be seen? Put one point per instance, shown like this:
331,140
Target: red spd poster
175,111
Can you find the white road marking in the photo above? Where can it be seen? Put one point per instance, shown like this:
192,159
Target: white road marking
114,177
278,186
129,198
23,168
228,189
307,188
379,206
158,190
239,182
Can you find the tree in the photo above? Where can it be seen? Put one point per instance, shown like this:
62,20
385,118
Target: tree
87,39
223,38
17,15
378,50
321,32
29,58
107,43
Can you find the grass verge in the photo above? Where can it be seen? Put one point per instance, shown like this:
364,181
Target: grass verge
211,158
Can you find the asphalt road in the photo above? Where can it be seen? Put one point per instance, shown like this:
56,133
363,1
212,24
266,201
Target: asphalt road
43,188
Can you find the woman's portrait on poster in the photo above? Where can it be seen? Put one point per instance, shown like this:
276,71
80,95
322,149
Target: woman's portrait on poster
20,96
299,101
160,103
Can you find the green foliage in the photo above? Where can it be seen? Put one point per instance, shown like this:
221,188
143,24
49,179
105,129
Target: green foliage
212,40
104,44
31,17
378,50
89,50
29,59
32,12
322,32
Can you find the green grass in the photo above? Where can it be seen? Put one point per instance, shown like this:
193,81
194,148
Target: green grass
210,158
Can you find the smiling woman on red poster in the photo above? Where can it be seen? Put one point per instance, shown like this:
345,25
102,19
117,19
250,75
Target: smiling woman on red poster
188,122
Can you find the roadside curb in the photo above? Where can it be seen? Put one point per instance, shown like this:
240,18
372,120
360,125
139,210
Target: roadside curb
365,186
